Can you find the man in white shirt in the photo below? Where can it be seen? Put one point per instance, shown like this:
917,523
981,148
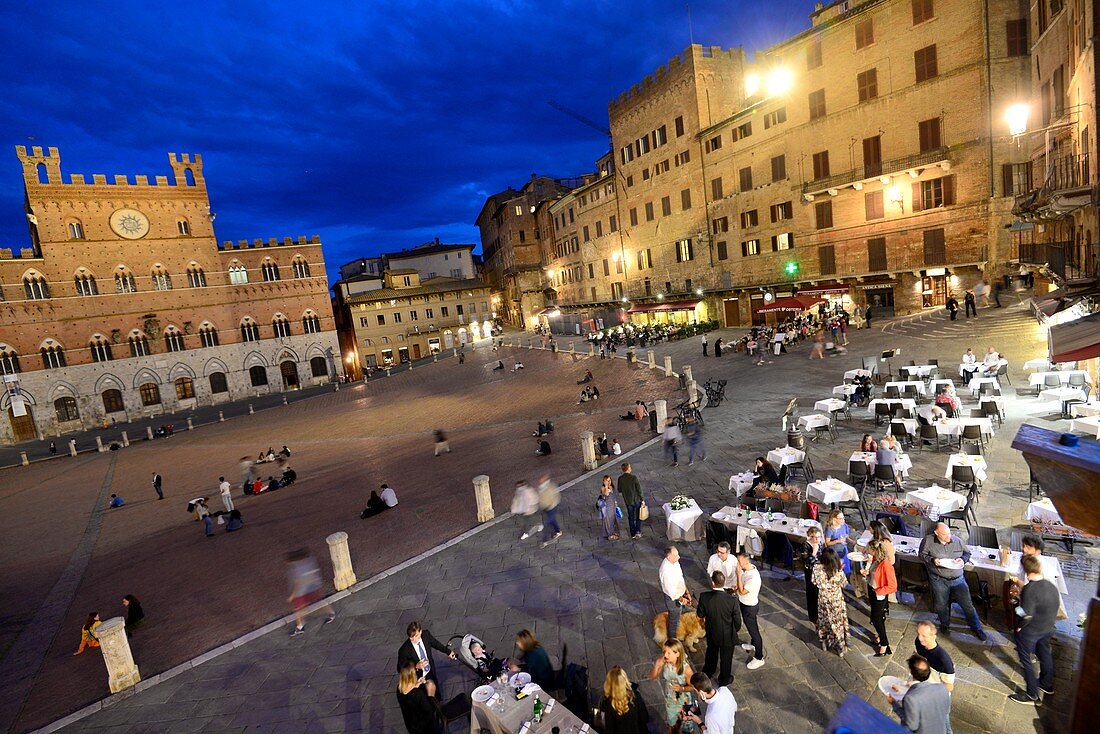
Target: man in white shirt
724,561
616,449
748,593
227,494
992,359
674,587
721,706
388,496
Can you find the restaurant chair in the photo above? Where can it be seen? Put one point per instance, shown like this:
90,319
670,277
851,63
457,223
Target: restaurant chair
851,506
858,474
929,433
972,433
927,526
848,381
1077,380
894,522
912,363
800,471
991,411
934,362
719,533
1002,372
963,514
773,504
827,430
977,413
911,574
983,537
1085,389
884,476
979,591
882,413
971,449
1050,381
899,431
457,709
911,392
1033,488
892,392
962,477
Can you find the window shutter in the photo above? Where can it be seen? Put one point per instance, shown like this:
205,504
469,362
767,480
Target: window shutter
1006,179
744,249
949,190
676,245
916,197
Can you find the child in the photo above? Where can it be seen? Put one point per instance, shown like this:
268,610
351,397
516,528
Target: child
87,632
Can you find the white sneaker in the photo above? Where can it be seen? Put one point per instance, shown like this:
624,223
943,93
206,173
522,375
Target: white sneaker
525,536
748,647
755,663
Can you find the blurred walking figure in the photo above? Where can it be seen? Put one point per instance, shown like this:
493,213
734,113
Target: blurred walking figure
304,580
526,504
442,446
246,473
549,499
694,433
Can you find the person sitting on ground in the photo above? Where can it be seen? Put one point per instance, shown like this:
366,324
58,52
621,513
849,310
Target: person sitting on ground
517,366
272,484
270,455
616,449
285,452
289,476
544,448
763,474
586,395
374,506
499,366
868,444
636,413
235,522
388,496
116,501
587,377
261,458
87,632
602,446
594,392
549,426
135,616
541,430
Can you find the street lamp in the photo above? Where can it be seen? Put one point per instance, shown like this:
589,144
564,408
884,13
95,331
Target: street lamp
752,84
779,82
1016,116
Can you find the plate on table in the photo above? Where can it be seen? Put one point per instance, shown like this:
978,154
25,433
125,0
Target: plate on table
887,682
856,556
519,680
757,522
482,694
719,516
778,516
807,523
952,563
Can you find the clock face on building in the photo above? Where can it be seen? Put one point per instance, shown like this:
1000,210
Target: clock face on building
130,224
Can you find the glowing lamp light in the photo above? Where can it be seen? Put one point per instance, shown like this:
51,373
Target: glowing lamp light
780,80
893,193
769,297
616,256
752,85
698,291
660,296
1016,117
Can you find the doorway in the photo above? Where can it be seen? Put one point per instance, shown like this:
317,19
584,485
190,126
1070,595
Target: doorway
289,371
22,426
732,309
416,351
933,291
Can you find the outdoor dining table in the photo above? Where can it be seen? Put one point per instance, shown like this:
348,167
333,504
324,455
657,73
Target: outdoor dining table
997,400
829,491
486,716
934,385
977,463
1042,511
939,500
907,403
746,521
918,385
853,374
1084,409
813,421
684,524
1086,424
1063,395
1039,364
911,425
976,383
741,483
954,426
1036,379
980,367
830,405
917,370
844,390
786,455
903,463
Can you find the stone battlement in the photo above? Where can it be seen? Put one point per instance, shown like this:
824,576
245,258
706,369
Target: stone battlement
686,60
43,168
272,242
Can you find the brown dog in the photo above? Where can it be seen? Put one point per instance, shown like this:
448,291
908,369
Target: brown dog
690,631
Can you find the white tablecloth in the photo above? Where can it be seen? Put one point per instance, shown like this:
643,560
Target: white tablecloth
976,384
1084,409
934,385
980,367
997,400
786,455
740,483
1089,424
486,717
1036,379
844,389
911,425
1042,511
977,463
813,421
907,403
686,524
1040,364
938,499
831,490
954,426
903,464
917,384
743,520
919,370
1061,394
829,405
853,374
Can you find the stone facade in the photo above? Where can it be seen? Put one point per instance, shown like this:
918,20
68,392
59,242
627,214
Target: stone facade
125,288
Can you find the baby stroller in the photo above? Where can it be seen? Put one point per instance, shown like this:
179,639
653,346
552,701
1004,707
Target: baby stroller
485,666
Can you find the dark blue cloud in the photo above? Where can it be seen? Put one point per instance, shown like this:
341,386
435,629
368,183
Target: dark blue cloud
376,124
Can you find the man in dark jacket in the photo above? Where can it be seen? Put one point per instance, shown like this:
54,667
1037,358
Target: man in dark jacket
631,491
720,614
418,650
1037,611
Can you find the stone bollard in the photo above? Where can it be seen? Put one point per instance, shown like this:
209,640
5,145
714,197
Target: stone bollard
531,344
572,348
149,432
484,498
651,358
221,417
692,390
410,366
685,372
388,371
190,425
435,356
591,349
668,365
125,439
72,447
284,397
343,574
24,459
122,673
250,410
660,407
99,444
588,451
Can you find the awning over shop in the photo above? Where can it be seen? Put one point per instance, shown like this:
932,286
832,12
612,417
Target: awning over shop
1075,340
664,306
794,303
824,291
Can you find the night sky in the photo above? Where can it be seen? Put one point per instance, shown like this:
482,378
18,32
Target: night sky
378,124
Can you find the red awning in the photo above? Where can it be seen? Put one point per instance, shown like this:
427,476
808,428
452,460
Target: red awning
794,303
664,306
1075,340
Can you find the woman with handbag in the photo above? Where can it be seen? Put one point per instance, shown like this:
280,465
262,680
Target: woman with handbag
882,582
608,508
622,710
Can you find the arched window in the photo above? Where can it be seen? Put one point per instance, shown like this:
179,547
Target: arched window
85,283
258,375
66,410
162,281
112,401
208,335
100,348
318,367
150,393
43,175
189,176
183,227
269,269
185,388
53,356
196,276
173,340
238,275
76,231
9,361
124,281
35,286
250,331
281,326
139,345
218,383
311,324
301,267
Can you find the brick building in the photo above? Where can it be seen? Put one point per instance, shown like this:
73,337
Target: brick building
125,305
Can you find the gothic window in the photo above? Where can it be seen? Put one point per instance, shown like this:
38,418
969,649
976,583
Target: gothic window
311,324
238,275
139,345
76,231
173,340
35,286
9,361
185,388
269,270
162,281
281,326
85,284
66,410
250,331
208,336
150,394
100,348
53,357
112,401
301,267
196,276
124,282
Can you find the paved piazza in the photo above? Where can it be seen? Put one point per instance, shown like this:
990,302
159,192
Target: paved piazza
597,597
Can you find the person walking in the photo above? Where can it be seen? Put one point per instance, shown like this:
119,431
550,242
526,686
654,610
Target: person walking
608,508
923,707
549,499
882,581
442,446
721,617
748,595
672,436
631,490
693,431
718,347
227,494
1037,612
304,580
945,555
811,557
970,302
953,307
704,345
157,485
867,316
53,447
525,503
675,589
997,287
832,612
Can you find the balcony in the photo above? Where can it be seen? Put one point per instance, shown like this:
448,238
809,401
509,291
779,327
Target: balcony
856,177
1068,172
1067,260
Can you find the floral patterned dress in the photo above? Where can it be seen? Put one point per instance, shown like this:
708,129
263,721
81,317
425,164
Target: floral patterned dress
675,700
832,612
